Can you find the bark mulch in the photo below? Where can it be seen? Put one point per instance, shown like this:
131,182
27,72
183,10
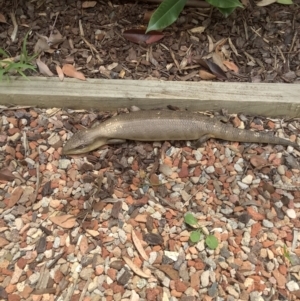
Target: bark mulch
109,225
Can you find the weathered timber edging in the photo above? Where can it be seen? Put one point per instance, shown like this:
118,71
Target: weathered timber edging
251,98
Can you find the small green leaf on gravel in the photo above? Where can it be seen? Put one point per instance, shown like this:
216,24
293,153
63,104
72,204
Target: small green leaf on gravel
166,14
195,236
212,242
190,219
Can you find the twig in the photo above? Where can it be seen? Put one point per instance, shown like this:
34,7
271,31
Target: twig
286,187
38,181
85,289
164,201
293,41
81,29
15,31
25,143
92,47
53,26
71,289
3,108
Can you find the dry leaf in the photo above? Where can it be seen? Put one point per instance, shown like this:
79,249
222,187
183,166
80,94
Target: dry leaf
169,270
198,29
8,59
83,244
41,45
3,242
220,44
218,61
122,73
55,38
104,71
233,47
2,18
134,268
66,221
265,2
139,246
6,174
231,66
213,68
210,44
60,73
69,70
183,63
225,53
112,66
206,75
88,4
140,36
43,68
147,16
14,197
174,59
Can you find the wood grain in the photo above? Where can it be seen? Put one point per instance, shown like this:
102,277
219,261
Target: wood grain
271,100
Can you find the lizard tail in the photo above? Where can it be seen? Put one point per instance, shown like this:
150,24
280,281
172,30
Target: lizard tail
234,134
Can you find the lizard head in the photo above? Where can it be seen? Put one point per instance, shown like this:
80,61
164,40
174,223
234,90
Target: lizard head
82,142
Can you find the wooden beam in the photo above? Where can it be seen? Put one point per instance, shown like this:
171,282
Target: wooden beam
271,100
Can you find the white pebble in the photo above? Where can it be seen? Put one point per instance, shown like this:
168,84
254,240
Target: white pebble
242,185
292,286
205,278
291,213
281,169
210,169
238,167
248,179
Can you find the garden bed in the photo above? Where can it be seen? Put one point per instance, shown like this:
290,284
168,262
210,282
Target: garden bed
109,225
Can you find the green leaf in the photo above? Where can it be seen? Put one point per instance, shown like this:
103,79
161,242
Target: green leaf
225,3
190,219
287,2
226,11
286,253
166,14
24,53
212,242
195,236
3,53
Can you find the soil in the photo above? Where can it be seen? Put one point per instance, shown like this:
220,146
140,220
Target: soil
110,225
261,44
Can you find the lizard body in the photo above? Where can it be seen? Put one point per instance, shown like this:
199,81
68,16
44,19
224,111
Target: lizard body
161,126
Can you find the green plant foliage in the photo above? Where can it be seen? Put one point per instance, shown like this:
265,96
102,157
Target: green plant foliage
190,219
166,14
3,53
225,3
212,242
24,57
25,63
226,11
286,2
195,236
286,253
